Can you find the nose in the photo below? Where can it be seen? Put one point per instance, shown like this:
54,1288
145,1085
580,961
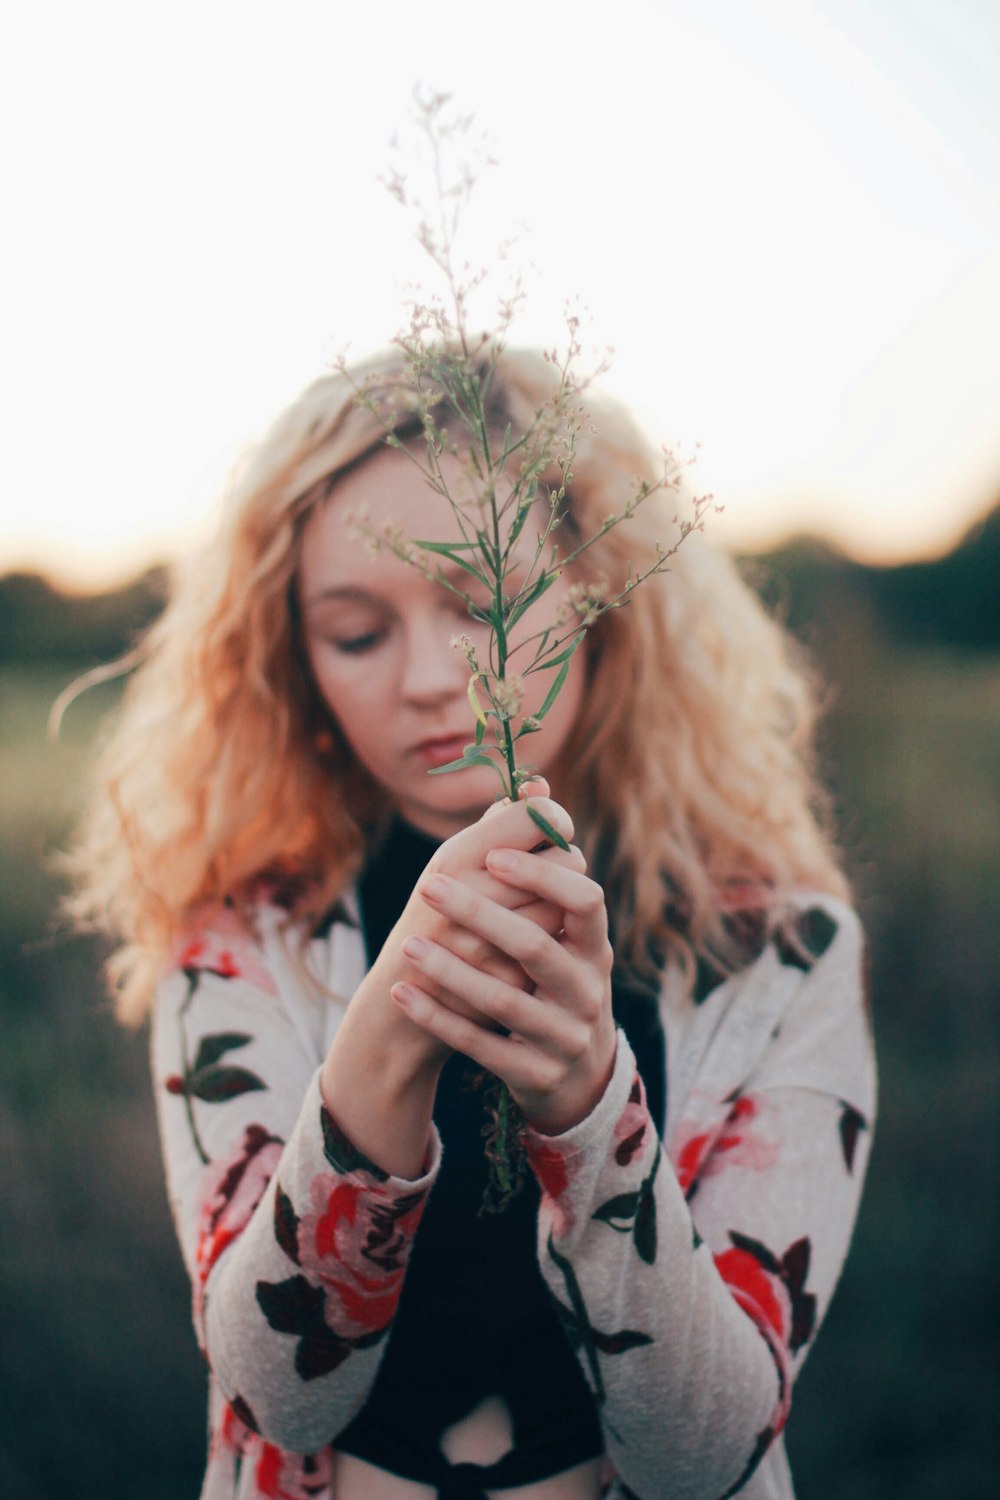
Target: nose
433,670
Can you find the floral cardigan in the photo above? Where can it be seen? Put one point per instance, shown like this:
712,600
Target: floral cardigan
690,1273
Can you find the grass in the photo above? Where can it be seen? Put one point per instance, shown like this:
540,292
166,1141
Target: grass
104,1389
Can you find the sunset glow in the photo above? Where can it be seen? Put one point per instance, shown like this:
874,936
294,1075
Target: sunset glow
784,218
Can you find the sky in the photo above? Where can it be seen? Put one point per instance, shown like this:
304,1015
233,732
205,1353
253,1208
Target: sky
783,217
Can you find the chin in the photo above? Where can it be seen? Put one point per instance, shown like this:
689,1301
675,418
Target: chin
457,811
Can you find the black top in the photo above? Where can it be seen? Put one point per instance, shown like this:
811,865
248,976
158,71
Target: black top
475,1318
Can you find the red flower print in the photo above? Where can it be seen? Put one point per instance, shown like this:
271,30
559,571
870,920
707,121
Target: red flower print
549,1166
771,1290
278,1475
197,956
231,1189
232,1434
292,1476
553,1171
634,1124
699,1153
355,1242
227,949
757,1293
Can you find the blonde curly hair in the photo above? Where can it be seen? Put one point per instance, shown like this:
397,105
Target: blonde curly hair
690,775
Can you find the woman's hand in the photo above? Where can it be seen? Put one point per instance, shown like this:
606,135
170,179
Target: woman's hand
558,1053
381,1072
463,858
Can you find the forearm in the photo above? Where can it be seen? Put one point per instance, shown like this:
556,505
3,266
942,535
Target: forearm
298,1309
297,1244
676,1366
379,1080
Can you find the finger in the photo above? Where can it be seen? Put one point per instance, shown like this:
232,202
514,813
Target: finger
572,858
537,786
517,1063
487,994
481,955
541,957
585,918
498,1003
545,913
508,827
496,807
507,893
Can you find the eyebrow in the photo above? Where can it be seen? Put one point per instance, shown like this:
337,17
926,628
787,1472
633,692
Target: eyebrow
354,594
349,593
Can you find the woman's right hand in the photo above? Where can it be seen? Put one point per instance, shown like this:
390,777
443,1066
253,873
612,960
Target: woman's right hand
463,857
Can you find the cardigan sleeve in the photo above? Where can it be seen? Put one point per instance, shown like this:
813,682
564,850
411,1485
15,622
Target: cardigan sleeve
692,1284
296,1245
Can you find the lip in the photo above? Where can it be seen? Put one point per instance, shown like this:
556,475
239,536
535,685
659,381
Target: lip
439,749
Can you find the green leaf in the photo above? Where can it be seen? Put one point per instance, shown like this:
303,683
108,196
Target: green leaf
474,703
619,1212
342,1154
760,1252
645,1228
216,1085
569,1324
477,757
535,592
554,661
459,562
448,549
286,1225
546,827
522,514
369,1340
489,552
622,1342
211,1048
553,692
291,1306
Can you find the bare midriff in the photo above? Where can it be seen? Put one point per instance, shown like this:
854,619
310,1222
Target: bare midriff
483,1437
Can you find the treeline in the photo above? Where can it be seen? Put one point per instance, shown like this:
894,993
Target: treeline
952,602
38,622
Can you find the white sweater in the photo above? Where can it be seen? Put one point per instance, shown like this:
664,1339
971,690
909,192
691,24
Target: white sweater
691,1274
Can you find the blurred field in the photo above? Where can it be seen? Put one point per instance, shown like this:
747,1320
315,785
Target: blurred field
103,1388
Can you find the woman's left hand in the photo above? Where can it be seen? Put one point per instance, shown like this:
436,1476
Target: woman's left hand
559,1051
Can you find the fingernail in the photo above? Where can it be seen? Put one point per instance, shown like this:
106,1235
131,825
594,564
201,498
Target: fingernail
402,994
415,947
501,859
436,887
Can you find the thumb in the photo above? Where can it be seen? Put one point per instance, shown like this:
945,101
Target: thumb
536,787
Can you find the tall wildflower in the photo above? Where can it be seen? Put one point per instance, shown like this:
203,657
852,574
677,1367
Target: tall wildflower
507,506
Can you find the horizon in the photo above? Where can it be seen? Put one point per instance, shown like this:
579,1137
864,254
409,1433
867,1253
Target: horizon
804,540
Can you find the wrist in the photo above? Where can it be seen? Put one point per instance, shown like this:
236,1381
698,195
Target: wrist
379,1081
560,1110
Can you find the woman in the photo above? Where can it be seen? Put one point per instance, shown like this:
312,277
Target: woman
340,943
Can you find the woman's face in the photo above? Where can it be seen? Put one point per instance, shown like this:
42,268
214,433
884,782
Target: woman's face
378,636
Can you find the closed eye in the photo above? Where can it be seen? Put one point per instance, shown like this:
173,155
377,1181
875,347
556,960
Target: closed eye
355,645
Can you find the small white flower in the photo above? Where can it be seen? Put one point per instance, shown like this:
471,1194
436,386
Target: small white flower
507,697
